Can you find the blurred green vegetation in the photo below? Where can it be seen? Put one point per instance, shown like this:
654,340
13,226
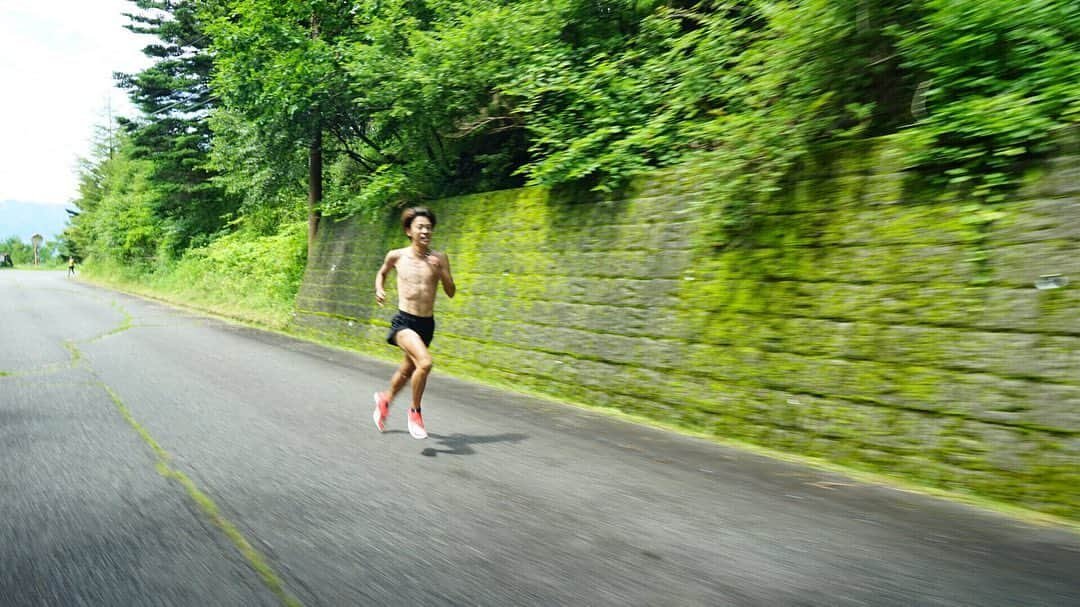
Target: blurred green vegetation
242,275
410,100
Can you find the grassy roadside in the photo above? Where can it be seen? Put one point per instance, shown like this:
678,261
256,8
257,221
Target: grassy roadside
247,277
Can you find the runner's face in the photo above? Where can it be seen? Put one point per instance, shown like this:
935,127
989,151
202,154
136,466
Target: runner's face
420,230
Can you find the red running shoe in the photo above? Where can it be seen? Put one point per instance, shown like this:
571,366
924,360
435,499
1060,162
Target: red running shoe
416,425
382,409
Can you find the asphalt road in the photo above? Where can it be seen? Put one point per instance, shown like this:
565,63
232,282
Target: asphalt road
150,456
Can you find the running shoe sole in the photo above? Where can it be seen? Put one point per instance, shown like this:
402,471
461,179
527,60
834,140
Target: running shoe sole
416,430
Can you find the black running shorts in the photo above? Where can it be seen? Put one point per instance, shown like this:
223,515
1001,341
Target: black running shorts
423,325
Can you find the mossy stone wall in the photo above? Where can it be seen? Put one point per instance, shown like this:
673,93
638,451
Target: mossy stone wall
867,322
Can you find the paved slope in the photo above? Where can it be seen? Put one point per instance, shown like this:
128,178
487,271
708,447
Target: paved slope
150,456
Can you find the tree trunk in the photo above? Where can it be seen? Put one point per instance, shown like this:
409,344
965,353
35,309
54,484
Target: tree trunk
315,194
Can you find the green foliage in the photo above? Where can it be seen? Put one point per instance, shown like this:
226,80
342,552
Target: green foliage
252,271
753,89
406,100
282,86
267,186
811,73
394,101
997,78
173,132
118,201
245,275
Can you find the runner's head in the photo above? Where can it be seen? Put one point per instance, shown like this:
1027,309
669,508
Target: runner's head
411,213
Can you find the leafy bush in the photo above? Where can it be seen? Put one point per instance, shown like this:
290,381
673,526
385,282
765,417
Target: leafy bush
997,78
244,275
753,88
118,198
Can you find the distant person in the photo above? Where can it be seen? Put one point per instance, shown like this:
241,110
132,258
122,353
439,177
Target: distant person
71,266
419,272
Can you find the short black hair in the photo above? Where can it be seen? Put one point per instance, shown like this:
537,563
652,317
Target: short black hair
411,213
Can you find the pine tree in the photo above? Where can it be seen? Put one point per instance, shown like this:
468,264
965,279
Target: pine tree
173,131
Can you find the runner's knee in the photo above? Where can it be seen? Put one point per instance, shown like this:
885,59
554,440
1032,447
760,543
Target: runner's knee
424,364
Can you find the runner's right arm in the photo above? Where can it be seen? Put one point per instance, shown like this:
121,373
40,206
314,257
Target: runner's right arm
380,276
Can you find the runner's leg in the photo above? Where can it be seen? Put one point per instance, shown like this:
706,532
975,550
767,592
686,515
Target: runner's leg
401,376
414,347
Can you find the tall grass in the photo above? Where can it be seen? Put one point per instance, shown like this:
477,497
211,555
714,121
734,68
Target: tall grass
242,275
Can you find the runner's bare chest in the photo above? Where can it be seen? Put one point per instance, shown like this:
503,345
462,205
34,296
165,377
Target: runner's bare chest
416,270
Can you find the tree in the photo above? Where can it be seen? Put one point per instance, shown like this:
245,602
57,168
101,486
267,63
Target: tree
397,99
279,72
173,131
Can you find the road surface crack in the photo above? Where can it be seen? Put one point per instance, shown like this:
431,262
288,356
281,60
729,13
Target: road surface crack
207,506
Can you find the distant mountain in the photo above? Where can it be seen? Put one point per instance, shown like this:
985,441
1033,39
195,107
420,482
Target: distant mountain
24,219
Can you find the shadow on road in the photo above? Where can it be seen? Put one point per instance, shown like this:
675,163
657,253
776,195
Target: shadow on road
461,444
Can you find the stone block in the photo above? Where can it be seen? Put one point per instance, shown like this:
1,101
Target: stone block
1037,220
1021,264
1010,309
1052,357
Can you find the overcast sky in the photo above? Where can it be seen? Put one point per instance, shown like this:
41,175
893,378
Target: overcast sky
56,63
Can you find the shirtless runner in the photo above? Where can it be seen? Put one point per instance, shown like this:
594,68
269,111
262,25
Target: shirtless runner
419,271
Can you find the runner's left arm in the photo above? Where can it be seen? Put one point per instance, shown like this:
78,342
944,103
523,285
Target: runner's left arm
444,275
